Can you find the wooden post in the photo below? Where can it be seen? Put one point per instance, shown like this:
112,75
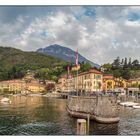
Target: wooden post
88,122
81,127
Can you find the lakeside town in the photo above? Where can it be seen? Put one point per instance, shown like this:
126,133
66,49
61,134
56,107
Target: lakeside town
69,70
89,82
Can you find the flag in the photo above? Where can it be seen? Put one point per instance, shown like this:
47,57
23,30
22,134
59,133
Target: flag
77,58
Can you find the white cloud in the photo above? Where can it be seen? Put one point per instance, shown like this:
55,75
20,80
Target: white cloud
100,38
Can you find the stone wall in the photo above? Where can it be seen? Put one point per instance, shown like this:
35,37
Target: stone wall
102,106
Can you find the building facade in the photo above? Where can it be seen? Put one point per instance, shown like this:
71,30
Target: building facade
61,84
108,83
26,85
134,82
89,81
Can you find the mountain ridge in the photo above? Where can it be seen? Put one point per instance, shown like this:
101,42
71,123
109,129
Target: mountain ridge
64,53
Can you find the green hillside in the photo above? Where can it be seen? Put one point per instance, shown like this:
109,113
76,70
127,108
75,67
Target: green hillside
14,63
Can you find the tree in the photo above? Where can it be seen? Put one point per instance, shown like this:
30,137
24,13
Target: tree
126,74
117,73
85,66
116,63
122,62
129,63
125,63
135,64
107,67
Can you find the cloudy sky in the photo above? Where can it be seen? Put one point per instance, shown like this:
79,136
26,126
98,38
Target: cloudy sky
101,33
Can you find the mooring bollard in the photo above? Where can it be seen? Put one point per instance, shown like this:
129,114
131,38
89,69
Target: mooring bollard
81,127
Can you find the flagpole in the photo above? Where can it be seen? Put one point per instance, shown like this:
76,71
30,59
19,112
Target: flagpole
77,71
68,78
77,81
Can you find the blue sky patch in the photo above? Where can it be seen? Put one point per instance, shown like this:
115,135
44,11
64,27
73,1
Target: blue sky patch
90,11
134,16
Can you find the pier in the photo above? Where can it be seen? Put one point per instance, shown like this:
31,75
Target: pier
102,109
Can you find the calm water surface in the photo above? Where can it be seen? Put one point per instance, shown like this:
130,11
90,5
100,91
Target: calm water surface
34,115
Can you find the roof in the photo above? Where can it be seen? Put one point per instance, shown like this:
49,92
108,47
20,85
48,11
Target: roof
136,79
12,81
108,76
91,71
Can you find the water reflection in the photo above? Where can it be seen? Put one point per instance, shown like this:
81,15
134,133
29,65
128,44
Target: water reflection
104,129
48,116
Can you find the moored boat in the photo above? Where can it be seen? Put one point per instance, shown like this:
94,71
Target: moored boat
136,106
129,104
5,100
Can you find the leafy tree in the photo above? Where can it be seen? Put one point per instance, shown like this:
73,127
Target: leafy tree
135,64
117,73
126,74
125,63
116,63
107,67
85,66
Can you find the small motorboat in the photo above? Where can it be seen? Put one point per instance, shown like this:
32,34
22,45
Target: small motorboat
129,104
5,100
122,103
136,106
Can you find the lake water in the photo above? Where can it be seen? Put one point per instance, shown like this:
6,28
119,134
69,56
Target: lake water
35,115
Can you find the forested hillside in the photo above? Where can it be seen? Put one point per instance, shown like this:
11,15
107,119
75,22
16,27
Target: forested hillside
14,63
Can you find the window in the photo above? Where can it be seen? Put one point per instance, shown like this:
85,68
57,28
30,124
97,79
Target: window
98,76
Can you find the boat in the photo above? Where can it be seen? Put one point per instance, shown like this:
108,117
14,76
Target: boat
5,100
129,104
136,106
122,103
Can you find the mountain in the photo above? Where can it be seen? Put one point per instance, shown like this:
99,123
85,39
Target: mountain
11,56
64,53
14,60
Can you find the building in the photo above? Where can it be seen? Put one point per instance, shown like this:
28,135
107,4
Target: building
108,82
26,85
118,85
35,87
12,85
134,82
75,68
120,82
61,84
88,81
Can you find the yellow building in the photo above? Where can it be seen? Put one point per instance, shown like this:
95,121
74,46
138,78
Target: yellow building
108,83
120,82
111,83
87,81
75,68
35,87
134,82
11,85
20,85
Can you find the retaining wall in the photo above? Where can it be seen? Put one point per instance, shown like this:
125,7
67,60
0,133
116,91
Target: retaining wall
101,106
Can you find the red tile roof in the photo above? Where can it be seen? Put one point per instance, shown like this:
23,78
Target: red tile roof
108,76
